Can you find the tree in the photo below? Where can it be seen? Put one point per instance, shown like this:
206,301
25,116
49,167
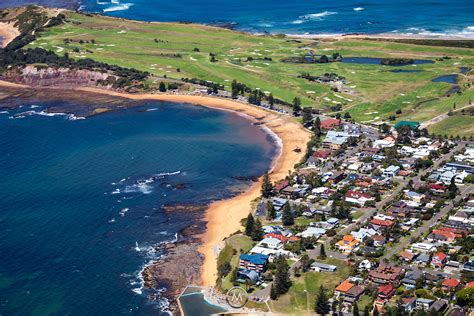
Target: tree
366,310
257,233
267,186
273,293
224,269
322,303
249,225
287,216
465,297
271,100
305,263
271,212
322,252
234,276
296,104
355,310
317,127
162,87
282,280
453,189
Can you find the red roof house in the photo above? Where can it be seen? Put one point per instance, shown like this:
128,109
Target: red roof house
330,123
439,260
450,284
385,292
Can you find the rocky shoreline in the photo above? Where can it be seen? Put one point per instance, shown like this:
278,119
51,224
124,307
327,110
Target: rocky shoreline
181,262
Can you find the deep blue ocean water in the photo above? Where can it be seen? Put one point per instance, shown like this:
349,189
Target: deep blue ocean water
426,17
77,195
304,16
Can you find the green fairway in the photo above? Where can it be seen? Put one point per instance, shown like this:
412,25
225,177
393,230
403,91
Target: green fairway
372,92
456,125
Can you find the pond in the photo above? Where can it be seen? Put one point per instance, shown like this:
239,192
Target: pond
453,79
378,61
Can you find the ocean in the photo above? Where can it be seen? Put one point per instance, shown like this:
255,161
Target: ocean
80,201
425,17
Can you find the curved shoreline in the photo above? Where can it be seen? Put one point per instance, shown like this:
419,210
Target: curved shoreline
223,216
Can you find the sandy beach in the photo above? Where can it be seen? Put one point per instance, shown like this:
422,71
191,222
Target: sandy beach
7,32
223,217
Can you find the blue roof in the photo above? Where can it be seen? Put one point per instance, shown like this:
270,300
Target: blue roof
255,258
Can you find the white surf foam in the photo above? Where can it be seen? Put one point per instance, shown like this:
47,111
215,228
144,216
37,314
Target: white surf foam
120,7
317,16
358,9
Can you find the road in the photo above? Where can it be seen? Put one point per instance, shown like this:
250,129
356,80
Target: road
428,224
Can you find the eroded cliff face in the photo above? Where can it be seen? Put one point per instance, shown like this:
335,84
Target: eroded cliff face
37,76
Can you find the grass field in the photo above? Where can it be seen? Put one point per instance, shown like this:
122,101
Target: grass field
297,300
176,50
457,125
234,246
372,92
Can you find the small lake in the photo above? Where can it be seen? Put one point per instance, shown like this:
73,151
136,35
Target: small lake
464,70
453,79
378,61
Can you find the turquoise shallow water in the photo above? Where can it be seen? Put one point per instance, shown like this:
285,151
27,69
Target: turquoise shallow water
77,195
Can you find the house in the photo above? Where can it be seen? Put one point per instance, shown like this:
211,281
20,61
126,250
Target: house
281,185
256,262
379,240
437,188
423,247
415,196
336,177
270,242
407,256
385,274
439,306
391,171
244,275
385,292
348,291
439,260
411,277
347,244
380,224
424,303
278,203
334,140
450,285
322,154
409,303
447,176
357,197
323,267
280,237
330,123
363,233
443,236
422,259
313,232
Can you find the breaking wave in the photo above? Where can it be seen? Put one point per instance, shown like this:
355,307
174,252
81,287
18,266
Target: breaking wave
120,7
